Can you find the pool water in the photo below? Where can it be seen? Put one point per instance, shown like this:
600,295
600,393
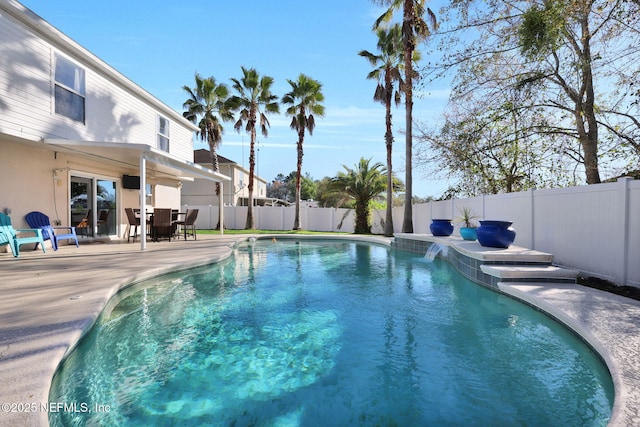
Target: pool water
327,333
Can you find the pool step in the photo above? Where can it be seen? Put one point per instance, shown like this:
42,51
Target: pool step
530,272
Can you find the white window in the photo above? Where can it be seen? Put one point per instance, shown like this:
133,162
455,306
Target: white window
148,195
163,134
69,89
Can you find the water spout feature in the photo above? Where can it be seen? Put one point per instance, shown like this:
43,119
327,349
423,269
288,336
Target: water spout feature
434,250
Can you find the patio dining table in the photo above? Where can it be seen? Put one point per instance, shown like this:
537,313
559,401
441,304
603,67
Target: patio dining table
151,232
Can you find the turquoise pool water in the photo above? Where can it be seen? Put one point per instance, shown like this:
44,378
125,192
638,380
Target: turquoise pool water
327,333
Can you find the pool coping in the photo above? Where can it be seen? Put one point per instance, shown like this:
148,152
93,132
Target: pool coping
53,305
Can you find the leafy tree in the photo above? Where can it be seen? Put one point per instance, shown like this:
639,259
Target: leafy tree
284,187
491,147
414,30
208,107
387,71
360,185
308,187
279,188
303,103
325,197
578,60
254,101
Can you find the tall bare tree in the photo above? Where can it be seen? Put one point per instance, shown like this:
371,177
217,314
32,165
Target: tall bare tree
582,57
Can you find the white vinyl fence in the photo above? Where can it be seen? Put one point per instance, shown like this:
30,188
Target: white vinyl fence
276,218
595,228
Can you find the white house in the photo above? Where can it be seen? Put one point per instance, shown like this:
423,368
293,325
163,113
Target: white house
78,138
236,193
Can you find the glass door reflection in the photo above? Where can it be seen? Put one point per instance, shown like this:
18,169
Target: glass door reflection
82,205
106,204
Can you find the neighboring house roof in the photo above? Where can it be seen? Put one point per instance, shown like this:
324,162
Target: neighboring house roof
202,156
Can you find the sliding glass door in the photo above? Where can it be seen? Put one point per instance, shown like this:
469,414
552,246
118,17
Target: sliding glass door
106,203
93,206
82,205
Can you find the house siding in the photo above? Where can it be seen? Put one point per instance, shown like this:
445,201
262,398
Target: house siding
33,176
112,112
25,82
200,192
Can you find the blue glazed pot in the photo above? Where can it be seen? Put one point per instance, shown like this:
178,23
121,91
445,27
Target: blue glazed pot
441,227
496,234
469,233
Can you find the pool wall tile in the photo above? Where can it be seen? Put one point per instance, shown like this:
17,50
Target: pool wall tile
468,266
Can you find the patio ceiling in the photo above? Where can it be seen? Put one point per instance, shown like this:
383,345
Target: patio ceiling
159,163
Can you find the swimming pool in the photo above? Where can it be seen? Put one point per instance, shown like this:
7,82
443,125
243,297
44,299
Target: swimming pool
327,333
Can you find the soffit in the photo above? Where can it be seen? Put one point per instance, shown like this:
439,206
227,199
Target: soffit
127,156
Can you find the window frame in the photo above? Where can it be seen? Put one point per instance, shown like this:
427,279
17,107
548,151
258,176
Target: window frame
163,138
62,88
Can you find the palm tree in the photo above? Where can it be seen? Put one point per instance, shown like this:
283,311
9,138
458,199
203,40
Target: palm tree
208,107
361,185
303,104
414,30
254,100
387,71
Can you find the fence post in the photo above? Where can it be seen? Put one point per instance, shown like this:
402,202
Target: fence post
453,213
333,219
623,191
532,202
484,207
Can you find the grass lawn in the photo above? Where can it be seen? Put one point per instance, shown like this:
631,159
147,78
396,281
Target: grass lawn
267,232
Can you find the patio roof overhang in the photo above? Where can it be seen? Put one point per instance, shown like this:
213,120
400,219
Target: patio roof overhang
128,155
147,160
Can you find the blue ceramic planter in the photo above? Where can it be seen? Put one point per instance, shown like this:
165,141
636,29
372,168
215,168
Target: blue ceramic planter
496,234
468,233
441,227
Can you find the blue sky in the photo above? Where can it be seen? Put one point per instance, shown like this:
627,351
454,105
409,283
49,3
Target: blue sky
161,44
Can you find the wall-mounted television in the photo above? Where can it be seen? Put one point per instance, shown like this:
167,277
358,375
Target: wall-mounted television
131,182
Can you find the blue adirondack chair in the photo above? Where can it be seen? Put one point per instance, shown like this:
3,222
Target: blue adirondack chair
9,235
54,234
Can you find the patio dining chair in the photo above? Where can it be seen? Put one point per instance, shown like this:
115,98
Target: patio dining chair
55,234
162,225
84,226
189,223
9,235
134,222
102,221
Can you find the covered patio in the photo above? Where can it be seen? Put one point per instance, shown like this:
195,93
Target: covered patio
143,160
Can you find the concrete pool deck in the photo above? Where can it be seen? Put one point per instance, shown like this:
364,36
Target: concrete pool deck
47,301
